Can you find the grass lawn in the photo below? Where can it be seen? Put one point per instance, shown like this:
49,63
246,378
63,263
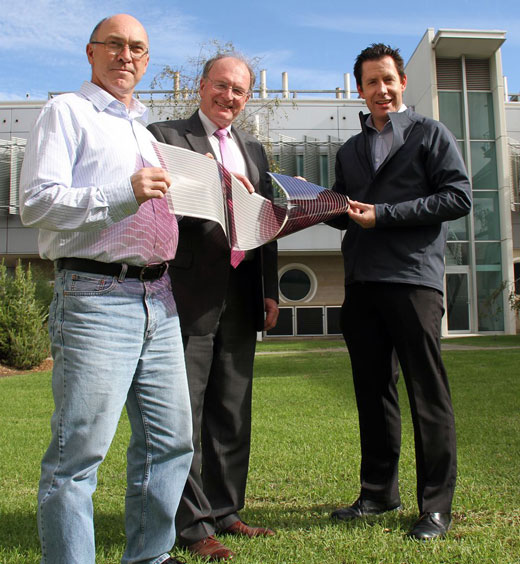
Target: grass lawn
305,463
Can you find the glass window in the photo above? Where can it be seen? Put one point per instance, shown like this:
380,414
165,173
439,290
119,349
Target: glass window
457,299
490,300
458,229
457,253
516,266
309,321
488,253
481,119
295,284
284,325
460,145
484,165
486,216
333,320
450,112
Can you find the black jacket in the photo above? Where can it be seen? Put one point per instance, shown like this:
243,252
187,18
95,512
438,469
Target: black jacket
200,269
421,184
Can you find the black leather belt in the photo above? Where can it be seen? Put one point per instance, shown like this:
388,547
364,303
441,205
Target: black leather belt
149,272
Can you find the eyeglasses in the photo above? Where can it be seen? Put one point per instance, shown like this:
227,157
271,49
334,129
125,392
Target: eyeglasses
117,47
221,87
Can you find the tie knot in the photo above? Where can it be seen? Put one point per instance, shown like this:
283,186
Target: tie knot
222,133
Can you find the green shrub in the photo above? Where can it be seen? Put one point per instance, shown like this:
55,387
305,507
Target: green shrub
44,286
24,342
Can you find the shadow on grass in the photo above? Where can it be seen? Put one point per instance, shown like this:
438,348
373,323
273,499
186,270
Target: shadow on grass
20,531
298,518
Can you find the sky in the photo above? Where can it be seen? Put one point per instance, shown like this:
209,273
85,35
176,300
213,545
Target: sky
42,42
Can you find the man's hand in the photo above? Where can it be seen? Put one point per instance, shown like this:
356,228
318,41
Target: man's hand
271,313
245,181
150,182
363,214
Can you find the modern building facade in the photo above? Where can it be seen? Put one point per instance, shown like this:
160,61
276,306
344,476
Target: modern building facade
455,76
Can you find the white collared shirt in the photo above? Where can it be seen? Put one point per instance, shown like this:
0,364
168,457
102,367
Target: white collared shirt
75,182
210,128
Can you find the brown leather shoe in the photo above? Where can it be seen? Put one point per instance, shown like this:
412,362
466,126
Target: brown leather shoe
211,549
240,528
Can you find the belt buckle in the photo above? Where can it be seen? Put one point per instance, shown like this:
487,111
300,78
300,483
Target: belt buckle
153,271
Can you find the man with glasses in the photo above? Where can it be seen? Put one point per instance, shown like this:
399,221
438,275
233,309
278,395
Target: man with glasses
224,299
92,183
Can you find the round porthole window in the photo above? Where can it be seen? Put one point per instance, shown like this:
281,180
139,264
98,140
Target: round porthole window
297,283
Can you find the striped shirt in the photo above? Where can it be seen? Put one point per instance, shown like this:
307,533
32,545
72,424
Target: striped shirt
381,141
75,182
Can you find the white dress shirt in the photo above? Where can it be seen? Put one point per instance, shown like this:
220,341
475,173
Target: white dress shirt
238,157
75,182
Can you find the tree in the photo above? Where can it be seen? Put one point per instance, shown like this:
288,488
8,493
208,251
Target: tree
180,91
24,342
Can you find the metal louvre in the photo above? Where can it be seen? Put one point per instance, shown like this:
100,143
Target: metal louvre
449,74
332,148
287,152
311,163
514,160
477,74
11,157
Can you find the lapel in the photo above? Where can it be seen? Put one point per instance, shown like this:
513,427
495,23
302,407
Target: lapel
197,140
196,137
402,124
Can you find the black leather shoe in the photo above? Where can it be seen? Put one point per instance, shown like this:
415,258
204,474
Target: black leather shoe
362,508
430,526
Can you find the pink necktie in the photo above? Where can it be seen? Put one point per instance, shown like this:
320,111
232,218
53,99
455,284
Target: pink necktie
229,163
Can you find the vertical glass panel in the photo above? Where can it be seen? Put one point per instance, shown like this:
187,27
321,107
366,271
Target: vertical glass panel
460,145
484,165
490,300
488,254
458,229
324,170
486,216
481,118
457,253
450,112
457,299
299,165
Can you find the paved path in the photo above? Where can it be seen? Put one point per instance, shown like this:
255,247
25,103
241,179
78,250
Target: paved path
444,347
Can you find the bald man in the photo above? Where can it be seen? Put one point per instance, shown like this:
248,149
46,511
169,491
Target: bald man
92,184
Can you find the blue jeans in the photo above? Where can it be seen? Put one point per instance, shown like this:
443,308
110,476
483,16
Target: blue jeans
114,343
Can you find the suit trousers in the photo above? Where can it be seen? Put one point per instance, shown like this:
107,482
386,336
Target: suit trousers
377,318
220,379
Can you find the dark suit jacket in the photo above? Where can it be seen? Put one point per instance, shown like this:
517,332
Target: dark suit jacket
200,269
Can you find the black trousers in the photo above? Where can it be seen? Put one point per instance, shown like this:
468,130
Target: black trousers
377,318
220,378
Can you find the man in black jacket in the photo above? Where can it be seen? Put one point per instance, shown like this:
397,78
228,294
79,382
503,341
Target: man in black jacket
406,179
221,307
